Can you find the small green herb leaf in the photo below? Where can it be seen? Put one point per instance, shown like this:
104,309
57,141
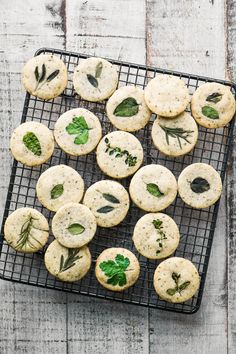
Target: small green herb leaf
210,112
36,73
98,70
43,73
115,270
214,97
53,75
93,81
175,277
153,189
184,285
76,229
179,287
82,137
110,198
157,224
57,191
80,127
32,143
105,209
130,160
199,185
127,108
171,292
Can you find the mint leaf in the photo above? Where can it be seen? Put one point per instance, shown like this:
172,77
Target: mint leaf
153,189
115,270
32,143
79,127
57,191
210,112
127,108
76,229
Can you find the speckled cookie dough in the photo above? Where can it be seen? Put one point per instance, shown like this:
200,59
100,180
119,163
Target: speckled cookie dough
26,230
32,143
67,264
119,154
74,225
153,188
108,201
176,136
117,269
166,95
199,185
45,76
78,131
95,79
176,280
213,105
59,185
127,109
156,236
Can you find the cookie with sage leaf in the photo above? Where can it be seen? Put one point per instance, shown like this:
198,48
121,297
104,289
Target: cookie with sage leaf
117,269
45,76
176,280
199,185
213,105
32,143
95,79
59,185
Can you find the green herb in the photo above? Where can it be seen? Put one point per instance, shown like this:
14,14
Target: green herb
199,185
177,133
178,287
76,229
42,77
210,112
214,97
26,235
52,75
127,108
57,191
130,160
162,236
32,143
110,198
69,262
98,70
79,127
153,189
105,209
115,270
93,81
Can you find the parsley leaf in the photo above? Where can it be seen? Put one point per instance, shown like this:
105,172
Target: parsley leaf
115,270
79,127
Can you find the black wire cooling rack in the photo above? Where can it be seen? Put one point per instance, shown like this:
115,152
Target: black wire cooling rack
196,226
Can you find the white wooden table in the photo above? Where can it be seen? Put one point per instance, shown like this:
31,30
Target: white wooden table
197,36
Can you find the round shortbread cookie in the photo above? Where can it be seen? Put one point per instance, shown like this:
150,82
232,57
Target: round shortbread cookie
156,236
108,201
74,225
26,230
175,137
45,76
213,105
119,154
59,185
77,131
153,188
127,109
95,79
117,269
67,264
176,280
166,95
32,143
199,185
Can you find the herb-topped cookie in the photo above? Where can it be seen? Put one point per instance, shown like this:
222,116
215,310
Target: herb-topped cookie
74,225
166,95
117,269
78,131
67,264
59,185
95,79
32,143
176,280
119,154
108,201
175,137
45,76
213,105
199,185
26,230
153,188
127,109
156,236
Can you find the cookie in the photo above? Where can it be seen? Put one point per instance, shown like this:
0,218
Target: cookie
74,225
176,136
59,185
95,79
77,131
45,76
166,95
32,143
213,105
199,185
26,230
67,264
156,236
127,109
108,201
153,188
119,154
176,280
117,269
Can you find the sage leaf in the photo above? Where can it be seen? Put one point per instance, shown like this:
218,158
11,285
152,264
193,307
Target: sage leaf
184,285
32,143
53,75
210,112
93,81
105,209
127,108
214,97
57,191
36,73
98,70
76,229
43,74
199,185
153,189
110,198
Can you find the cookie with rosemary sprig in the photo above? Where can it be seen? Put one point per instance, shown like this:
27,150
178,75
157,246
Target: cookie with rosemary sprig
176,136
26,230
67,264
95,79
176,280
156,235
45,76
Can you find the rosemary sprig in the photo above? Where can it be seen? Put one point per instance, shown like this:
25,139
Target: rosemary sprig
69,262
25,234
178,133
178,287
162,236
130,160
